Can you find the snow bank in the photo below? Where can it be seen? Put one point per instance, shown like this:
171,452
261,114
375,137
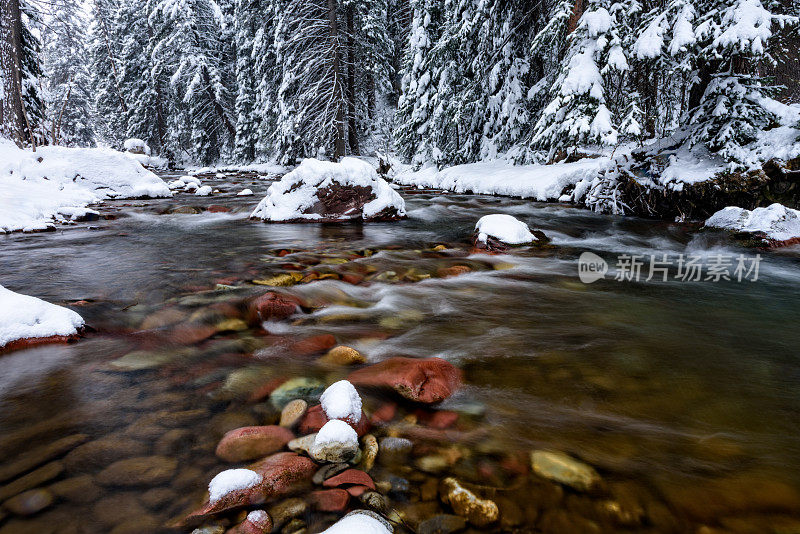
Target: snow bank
341,401
24,317
360,522
499,177
504,228
776,222
230,481
295,195
35,186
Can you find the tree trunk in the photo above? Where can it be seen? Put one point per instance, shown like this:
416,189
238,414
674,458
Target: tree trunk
337,97
218,109
577,13
352,129
698,89
12,119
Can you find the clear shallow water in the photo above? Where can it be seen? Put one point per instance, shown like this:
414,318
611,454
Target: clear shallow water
683,395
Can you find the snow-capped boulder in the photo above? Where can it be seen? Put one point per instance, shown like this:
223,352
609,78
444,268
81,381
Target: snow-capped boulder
324,191
499,231
342,401
136,146
203,191
361,522
245,193
776,225
26,321
335,442
232,480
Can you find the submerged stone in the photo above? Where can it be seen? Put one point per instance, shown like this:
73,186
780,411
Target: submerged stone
564,469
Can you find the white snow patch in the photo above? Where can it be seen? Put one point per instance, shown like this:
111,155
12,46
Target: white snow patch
258,516
498,177
360,522
34,186
230,481
245,193
775,221
297,190
504,228
335,431
23,317
133,143
203,191
341,401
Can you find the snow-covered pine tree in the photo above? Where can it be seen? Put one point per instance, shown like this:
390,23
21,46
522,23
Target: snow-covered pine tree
104,71
70,110
189,51
267,78
247,20
578,113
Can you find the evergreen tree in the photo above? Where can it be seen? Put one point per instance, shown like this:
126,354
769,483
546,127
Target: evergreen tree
104,71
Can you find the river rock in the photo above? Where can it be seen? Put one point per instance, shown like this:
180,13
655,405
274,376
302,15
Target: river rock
30,502
33,479
315,418
370,452
39,455
117,509
281,474
350,477
252,442
327,471
256,522
335,442
428,380
331,500
564,469
80,489
302,444
142,360
141,471
394,451
272,306
307,389
286,510
158,498
442,524
361,521
137,525
224,422
312,345
293,412
174,441
343,355
104,451
479,512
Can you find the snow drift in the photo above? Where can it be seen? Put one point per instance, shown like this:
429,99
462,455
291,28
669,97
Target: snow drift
775,223
24,317
37,188
323,191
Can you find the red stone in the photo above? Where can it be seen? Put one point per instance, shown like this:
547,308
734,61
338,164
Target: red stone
428,380
189,334
350,477
313,345
332,500
455,270
283,474
262,392
29,342
356,491
352,278
255,526
273,306
251,442
314,419
439,420
216,208
384,414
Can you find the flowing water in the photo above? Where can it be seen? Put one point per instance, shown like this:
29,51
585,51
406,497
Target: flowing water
682,395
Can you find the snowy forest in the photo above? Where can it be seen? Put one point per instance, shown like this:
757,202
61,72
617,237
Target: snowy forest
434,81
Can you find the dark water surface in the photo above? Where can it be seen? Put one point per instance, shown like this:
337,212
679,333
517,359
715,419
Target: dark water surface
683,395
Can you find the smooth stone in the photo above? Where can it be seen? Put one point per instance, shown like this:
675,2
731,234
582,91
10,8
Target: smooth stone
293,412
224,422
30,502
442,524
350,477
240,383
428,380
252,442
307,389
335,447
211,529
286,510
231,325
564,469
103,452
370,452
375,501
80,489
433,463
139,525
302,444
158,498
142,360
315,418
31,480
256,522
117,509
327,471
40,455
174,441
330,500
141,471
479,512
343,355
394,451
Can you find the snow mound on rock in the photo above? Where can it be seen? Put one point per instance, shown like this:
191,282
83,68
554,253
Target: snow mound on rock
776,221
245,192
35,186
296,197
341,401
504,228
230,481
24,317
361,522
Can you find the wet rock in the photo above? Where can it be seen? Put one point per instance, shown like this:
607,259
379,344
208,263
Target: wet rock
479,512
142,360
343,355
138,525
335,442
272,307
116,509
312,345
256,522
375,501
350,477
296,526
33,479
39,455
216,208
80,489
231,325
184,210
442,524
174,441
327,471
252,442
427,380
281,474
432,463
223,423
302,444
370,452
361,521
141,471
557,521
511,515
332,500
315,418
384,414
211,529
293,412
394,451
454,270
104,451
280,280
307,389
162,318
158,498
285,511
564,469
30,502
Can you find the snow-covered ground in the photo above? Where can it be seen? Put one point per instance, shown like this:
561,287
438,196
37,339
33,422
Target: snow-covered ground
776,222
500,177
260,168
24,317
54,183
